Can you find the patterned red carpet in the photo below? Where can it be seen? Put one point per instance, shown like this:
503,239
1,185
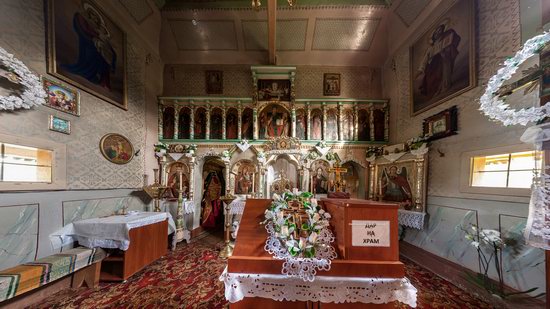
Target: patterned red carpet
188,278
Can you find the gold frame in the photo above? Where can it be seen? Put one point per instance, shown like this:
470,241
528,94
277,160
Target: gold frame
51,62
67,87
419,184
102,141
472,59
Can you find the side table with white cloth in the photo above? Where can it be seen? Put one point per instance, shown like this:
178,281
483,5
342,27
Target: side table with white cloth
236,209
135,240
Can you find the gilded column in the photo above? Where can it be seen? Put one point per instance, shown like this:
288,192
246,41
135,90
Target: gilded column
192,121
355,121
223,119
340,126
161,114
239,121
371,121
191,177
207,120
177,109
324,107
308,114
255,123
293,121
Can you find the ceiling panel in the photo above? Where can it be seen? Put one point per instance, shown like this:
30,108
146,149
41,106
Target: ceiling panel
240,4
204,34
138,9
408,11
344,34
254,34
291,34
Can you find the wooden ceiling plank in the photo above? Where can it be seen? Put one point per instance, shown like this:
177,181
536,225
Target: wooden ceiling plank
272,27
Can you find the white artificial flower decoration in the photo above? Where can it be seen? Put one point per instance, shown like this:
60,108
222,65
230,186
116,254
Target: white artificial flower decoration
33,93
496,108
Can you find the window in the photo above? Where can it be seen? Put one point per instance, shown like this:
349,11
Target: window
508,170
25,164
500,173
29,163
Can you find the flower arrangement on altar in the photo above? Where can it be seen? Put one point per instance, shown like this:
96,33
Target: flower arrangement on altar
297,221
417,142
298,233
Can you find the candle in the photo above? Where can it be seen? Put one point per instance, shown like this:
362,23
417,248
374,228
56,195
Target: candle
253,181
181,180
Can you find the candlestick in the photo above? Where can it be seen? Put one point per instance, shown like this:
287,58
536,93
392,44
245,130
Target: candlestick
227,251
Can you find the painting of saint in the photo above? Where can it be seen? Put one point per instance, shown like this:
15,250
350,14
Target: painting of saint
443,59
317,124
395,185
173,183
363,131
247,128
301,124
244,181
10,83
184,123
116,148
231,124
61,97
332,126
211,205
348,125
86,49
168,123
273,90
274,121
216,124
214,82
319,178
200,123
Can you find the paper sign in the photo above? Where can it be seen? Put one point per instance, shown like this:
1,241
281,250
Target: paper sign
370,233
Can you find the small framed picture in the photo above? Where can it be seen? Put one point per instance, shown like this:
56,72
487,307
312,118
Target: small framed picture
214,82
61,97
60,125
331,84
442,124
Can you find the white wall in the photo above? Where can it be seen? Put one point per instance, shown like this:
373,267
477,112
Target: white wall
498,36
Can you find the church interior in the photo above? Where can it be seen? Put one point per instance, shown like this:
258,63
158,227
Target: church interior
274,154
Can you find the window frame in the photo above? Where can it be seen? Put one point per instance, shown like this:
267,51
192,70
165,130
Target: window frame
467,169
59,164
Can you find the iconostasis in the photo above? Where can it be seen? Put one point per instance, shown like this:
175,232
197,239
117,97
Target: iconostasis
271,141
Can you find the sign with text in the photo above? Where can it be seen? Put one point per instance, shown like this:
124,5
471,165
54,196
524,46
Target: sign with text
370,233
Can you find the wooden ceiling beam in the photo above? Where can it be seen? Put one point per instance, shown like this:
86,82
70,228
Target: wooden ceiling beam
271,30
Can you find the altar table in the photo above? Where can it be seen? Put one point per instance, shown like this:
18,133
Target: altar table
253,277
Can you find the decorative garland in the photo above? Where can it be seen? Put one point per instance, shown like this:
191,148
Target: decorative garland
33,93
496,108
299,234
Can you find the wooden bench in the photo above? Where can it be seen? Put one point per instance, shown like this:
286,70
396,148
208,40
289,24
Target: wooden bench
28,283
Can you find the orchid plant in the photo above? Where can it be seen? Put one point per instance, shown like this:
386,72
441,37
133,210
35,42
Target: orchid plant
489,245
301,240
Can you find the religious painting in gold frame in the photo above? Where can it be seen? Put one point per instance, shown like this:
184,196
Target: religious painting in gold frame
443,59
116,148
87,49
403,181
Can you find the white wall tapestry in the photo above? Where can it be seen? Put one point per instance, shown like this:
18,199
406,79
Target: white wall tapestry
19,87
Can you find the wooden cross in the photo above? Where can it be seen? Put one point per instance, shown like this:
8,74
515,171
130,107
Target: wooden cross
533,76
337,170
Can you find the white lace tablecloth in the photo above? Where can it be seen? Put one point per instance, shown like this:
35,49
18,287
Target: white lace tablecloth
324,289
412,219
237,207
112,231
